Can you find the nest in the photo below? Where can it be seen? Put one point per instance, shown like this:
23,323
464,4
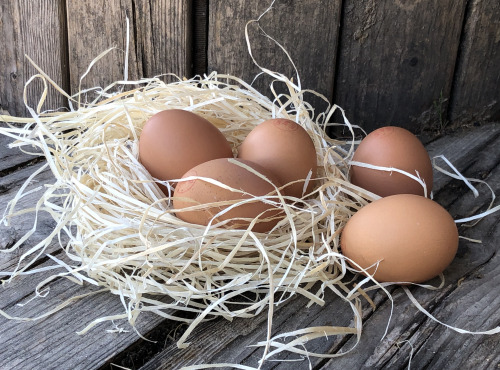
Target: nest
124,235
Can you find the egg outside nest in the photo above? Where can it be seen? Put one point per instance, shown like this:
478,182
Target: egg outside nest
403,238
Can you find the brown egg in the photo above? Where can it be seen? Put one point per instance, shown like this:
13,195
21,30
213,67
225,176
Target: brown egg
201,192
174,140
284,148
413,237
392,147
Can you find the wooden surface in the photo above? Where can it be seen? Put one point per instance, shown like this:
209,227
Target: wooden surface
398,79
468,300
37,29
414,64
164,37
476,94
93,27
301,27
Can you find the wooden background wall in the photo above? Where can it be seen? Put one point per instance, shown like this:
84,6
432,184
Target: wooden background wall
418,64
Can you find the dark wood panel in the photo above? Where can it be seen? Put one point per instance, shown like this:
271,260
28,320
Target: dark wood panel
93,27
164,37
397,60
476,94
308,30
200,36
37,29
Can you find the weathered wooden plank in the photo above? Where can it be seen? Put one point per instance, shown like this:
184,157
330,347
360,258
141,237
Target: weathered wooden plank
200,36
396,62
476,94
463,149
36,29
476,153
20,225
164,37
11,158
308,30
93,27
52,343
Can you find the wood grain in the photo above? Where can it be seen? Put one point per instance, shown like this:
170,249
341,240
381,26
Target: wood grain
200,36
53,343
12,158
164,37
476,94
308,30
397,60
36,29
93,27
13,229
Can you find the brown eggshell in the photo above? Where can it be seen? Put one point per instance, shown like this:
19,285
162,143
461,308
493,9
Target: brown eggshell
201,192
392,147
413,237
174,140
284,148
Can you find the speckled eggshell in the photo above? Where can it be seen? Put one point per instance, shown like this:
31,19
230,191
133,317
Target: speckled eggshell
413,237
198,191
392,147
174,140
284,148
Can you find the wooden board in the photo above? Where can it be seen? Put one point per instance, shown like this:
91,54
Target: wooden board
93,27
476,94
164,37
17,227
159,40
413,64
46,343
13,158
53,343
308,30
402,80
36,29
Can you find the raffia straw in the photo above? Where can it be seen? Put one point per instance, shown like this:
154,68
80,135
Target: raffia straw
125,237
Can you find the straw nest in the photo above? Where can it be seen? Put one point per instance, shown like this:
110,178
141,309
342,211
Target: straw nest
123,232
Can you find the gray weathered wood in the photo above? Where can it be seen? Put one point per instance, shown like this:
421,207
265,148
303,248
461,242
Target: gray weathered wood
308,30
468,300
160,35
12,158
404,79
36,29
93,27
19,225
164,37
413,64
52,343
476,94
